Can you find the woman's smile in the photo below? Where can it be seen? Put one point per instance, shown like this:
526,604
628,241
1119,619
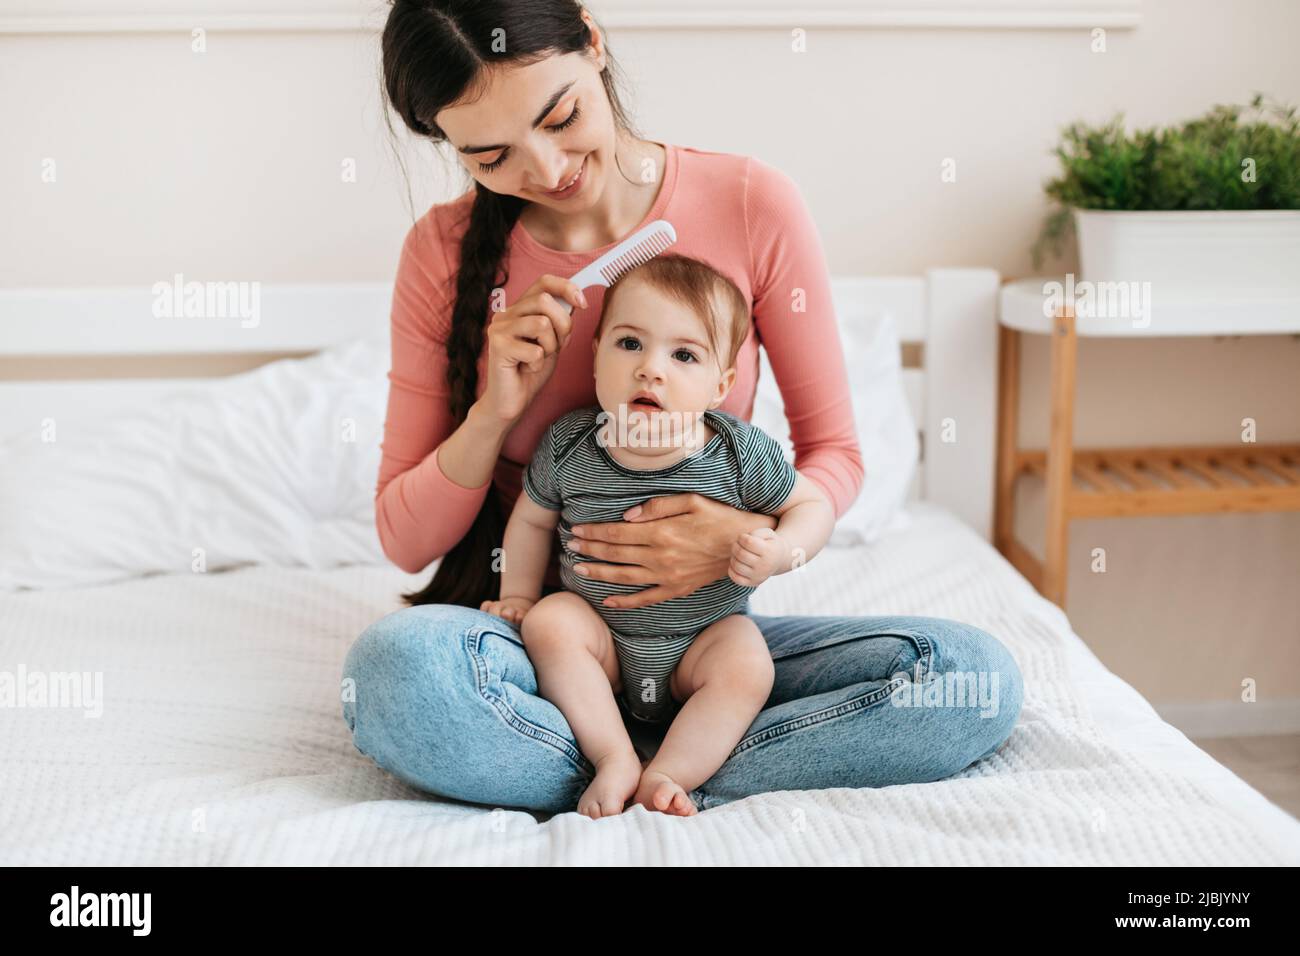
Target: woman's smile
574,186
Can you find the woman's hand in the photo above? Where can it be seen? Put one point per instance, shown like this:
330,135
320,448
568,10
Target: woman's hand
677,543
523,345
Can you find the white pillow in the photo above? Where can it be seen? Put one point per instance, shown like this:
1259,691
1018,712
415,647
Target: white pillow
887,432
272,466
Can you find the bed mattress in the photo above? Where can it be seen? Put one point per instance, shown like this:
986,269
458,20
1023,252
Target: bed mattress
221,740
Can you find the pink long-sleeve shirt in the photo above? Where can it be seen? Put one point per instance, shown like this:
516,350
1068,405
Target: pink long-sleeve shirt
745,218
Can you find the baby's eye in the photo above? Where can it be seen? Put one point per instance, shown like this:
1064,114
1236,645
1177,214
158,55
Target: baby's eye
690,356
628,338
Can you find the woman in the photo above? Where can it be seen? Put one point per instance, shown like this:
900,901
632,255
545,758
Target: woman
442,694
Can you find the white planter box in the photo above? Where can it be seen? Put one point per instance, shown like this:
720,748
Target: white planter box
1189,255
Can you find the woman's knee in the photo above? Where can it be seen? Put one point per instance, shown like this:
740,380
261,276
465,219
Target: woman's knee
404,656
406,680
442,698
989,673
965,648
1004,677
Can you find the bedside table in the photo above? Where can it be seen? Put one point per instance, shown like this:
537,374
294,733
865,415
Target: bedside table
1111,482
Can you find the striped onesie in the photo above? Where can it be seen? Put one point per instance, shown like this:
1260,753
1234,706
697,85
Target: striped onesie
573,473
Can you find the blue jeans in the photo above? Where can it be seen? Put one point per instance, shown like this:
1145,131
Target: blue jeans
444,698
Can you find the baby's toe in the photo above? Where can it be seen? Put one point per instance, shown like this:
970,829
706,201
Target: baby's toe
663,795
682,804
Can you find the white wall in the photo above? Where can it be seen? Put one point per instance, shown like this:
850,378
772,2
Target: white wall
226,165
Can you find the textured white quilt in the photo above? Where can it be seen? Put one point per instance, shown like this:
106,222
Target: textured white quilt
221,740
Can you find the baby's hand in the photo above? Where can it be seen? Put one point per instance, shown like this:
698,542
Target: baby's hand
512,609
755,557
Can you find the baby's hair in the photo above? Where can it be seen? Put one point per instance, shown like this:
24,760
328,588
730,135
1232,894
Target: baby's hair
715,299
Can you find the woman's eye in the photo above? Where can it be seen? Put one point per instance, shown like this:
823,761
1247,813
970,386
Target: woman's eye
573,118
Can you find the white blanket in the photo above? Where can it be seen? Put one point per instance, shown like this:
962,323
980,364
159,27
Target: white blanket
222,742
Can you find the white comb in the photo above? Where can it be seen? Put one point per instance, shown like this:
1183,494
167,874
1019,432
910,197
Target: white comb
642,246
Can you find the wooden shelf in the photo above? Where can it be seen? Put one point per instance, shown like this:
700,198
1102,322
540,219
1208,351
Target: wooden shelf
1110,482
1123,482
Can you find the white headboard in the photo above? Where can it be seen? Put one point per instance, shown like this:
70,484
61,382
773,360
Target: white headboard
947,321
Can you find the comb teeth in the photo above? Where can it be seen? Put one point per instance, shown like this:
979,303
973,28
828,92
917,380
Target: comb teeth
643,251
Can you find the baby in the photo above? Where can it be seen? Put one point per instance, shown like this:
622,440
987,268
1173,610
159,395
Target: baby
665,350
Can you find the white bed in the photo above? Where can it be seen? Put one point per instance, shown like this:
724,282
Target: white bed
225,744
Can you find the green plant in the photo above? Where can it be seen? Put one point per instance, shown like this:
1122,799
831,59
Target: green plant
1218,161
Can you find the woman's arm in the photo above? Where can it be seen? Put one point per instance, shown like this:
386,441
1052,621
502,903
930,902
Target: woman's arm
428,496
794,317
421,509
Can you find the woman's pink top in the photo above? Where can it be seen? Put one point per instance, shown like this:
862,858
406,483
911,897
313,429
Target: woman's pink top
743,217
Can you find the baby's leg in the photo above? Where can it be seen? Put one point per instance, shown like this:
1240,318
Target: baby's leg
577,670
725,678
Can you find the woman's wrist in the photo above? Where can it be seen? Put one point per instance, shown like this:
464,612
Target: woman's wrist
487,423
468,456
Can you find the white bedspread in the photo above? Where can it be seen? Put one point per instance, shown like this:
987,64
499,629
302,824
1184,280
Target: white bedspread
221,740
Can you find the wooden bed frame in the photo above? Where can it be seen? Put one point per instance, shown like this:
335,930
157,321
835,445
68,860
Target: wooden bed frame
104,348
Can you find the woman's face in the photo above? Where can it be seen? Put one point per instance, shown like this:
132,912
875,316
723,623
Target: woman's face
537,126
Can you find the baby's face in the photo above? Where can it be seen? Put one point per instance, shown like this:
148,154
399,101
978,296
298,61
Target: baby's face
652,343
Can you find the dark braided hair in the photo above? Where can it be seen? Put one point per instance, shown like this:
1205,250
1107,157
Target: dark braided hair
434,54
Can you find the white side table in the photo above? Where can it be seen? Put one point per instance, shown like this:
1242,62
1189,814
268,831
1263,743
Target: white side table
1109,482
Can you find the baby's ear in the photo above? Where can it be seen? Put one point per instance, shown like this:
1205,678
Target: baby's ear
725,385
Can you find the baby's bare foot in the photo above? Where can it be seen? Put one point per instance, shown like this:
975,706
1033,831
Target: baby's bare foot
658,791
616,778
